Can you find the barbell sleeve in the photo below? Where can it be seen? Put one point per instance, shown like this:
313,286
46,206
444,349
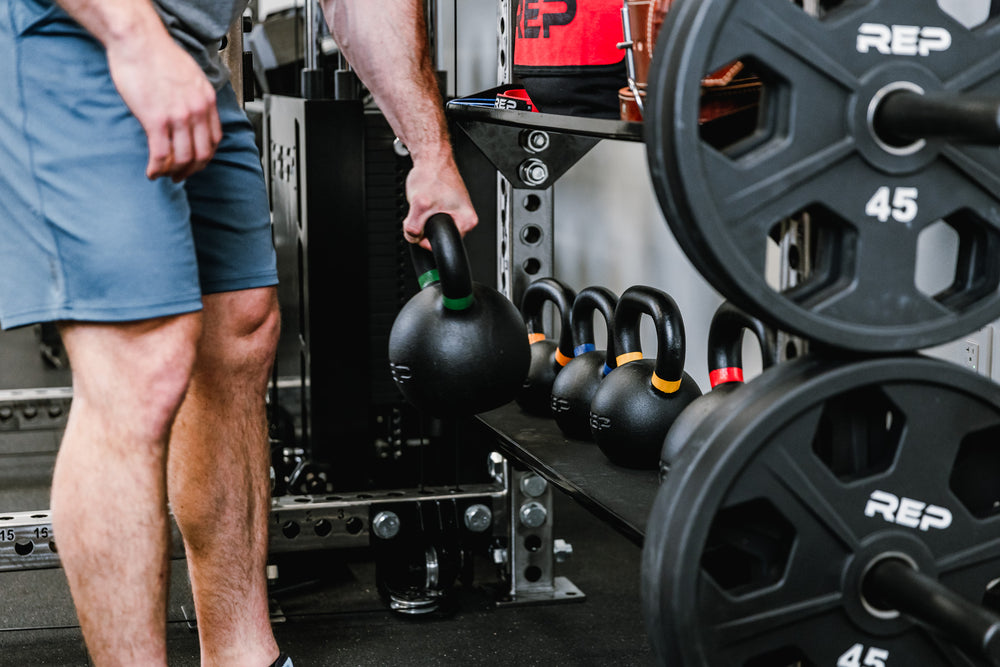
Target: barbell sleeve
893,584
905,116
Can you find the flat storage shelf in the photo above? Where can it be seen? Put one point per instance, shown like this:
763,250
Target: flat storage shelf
621,496
598,128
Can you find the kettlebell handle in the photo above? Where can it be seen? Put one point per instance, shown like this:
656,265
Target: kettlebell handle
725,343
589,300
447,262
562,296
668,369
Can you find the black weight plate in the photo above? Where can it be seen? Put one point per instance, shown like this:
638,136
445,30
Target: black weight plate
759,536
814,151
660,134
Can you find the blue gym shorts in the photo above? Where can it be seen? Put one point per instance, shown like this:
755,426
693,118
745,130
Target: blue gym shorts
84,235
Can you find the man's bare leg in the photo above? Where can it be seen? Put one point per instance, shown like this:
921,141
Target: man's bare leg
109,507
219,482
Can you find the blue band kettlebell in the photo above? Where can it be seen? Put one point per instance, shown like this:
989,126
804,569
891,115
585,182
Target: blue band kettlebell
575,386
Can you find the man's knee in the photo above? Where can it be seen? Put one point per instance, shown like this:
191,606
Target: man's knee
241,332
133,373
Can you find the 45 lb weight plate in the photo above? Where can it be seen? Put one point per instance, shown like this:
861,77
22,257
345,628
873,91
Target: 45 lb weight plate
876,122
840,510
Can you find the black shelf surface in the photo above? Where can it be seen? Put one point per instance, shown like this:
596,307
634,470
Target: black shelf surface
589,127
621,496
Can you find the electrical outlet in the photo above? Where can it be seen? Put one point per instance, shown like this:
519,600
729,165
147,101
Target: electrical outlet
973,351
970,354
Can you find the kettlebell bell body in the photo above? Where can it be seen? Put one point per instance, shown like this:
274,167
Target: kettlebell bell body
456,348
548,357
637,402
574,387
725,372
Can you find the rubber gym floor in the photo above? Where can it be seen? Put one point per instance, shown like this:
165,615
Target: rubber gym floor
332,614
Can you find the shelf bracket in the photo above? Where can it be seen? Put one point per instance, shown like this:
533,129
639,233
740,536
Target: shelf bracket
531,553
530,158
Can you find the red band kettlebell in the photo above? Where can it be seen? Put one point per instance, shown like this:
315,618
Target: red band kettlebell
725,372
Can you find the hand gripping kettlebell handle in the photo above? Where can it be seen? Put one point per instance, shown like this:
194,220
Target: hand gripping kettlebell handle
447,262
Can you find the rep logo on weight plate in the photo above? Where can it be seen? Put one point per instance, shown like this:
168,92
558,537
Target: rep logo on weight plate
902,40
907,511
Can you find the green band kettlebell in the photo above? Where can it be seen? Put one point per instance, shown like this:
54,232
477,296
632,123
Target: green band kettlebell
456,348
638,401
725,373
576,384
548,357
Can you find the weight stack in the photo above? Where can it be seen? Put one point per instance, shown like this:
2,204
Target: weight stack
336,189
396,432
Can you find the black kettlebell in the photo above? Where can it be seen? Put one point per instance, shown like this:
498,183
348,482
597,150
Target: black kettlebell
574,387
725,373
547,356
637,402
456,348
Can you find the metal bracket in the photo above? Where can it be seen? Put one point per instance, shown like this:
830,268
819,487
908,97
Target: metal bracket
529,157
530,556
297,523
42,409
506,18
525,238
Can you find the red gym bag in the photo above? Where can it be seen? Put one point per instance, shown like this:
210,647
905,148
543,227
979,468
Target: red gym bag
567,57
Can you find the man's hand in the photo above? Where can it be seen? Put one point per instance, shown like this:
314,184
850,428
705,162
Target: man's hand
436,187
172,99
161,84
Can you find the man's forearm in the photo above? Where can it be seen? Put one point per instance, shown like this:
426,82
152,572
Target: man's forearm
386,43
114,21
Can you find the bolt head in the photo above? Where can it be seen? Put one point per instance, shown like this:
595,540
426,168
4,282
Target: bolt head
478,518
533,485
533,171
385,525
535,141
533,514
